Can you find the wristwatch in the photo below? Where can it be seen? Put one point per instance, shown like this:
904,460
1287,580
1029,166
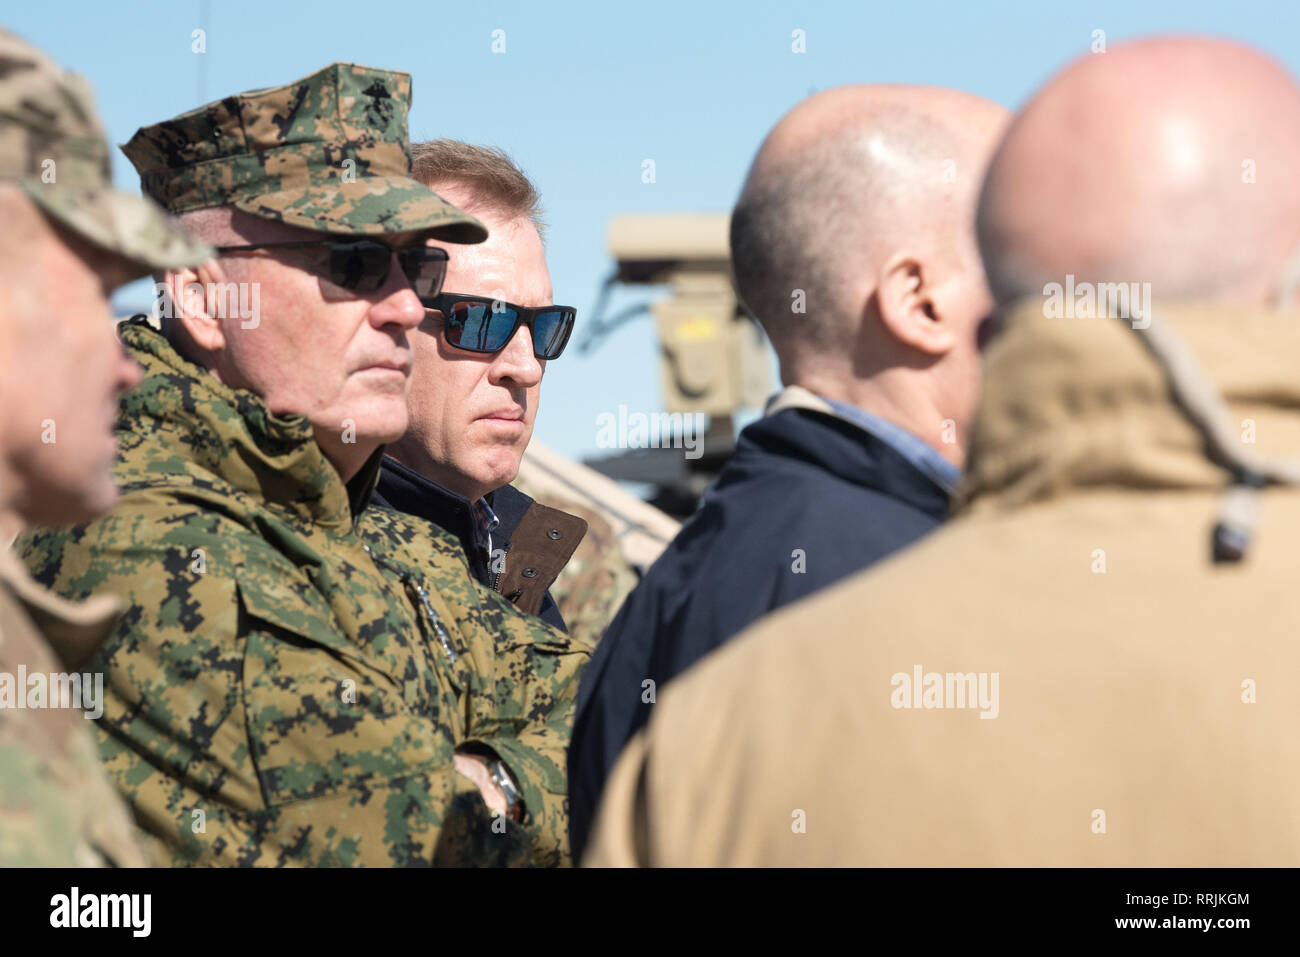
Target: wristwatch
502,778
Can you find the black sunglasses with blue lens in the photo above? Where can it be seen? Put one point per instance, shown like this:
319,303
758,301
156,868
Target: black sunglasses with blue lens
479,324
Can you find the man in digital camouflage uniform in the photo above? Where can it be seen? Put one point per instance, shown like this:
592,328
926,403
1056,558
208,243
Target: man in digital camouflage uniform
67,240
299,679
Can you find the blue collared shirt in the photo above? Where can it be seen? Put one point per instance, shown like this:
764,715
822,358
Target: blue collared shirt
933,465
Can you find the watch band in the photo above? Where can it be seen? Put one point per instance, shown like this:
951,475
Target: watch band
514,799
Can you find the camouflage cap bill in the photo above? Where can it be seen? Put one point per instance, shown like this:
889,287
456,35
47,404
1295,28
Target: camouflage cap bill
53,148
329,152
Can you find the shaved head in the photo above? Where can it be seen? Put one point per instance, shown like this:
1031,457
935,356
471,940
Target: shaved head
853,244
846,177
1171,161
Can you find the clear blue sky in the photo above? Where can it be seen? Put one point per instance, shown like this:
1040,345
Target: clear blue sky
586,91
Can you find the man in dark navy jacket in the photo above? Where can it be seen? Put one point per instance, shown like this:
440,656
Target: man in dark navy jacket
513,525
472,412
853,245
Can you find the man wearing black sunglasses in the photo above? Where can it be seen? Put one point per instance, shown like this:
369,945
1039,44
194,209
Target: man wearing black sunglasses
480,354
300,678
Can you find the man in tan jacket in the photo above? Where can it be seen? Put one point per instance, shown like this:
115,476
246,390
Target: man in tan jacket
1093,663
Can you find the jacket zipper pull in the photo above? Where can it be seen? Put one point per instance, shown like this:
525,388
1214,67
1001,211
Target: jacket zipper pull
438,629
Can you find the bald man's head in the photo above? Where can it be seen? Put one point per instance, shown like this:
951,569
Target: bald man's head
853,241
1171,161
847,177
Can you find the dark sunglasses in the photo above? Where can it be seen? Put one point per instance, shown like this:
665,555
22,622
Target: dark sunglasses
362,265
478,324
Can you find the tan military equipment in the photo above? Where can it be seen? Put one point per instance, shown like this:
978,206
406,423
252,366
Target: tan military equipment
714,358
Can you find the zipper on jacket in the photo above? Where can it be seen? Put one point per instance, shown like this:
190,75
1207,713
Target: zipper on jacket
496,582
438,629
423,595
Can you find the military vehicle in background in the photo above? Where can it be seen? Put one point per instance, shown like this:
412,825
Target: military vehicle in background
713,357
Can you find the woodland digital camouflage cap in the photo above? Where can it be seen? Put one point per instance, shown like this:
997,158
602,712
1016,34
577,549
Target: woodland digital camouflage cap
329,152
53,148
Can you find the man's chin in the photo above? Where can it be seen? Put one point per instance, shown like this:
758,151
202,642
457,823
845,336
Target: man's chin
387,437
497,470
364,429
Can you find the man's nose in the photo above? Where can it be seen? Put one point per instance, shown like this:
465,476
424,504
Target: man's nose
396,302
516,361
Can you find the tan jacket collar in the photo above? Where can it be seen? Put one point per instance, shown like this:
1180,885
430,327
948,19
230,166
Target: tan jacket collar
1075,403
796,397
73,629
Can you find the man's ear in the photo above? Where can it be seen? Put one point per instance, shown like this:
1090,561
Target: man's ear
188,287
908,310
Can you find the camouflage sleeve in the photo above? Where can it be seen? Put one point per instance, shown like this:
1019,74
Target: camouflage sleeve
242,725
57,809
522,678
522,706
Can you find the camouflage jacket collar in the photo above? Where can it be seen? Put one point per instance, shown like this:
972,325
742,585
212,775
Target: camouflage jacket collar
182,422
